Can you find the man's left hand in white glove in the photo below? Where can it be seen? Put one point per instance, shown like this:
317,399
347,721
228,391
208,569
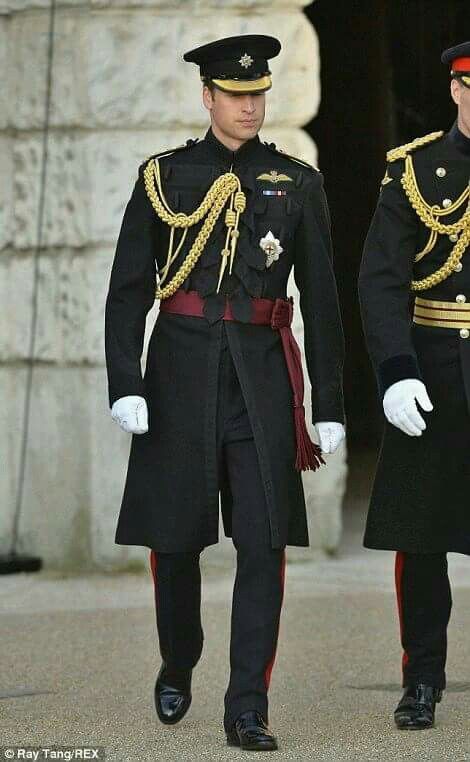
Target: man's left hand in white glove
330,434
131,414
400,407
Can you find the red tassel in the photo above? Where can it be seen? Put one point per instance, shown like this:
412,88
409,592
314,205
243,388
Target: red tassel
309,455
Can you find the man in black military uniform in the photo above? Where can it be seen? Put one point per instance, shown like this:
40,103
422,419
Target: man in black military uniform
223,221
417,245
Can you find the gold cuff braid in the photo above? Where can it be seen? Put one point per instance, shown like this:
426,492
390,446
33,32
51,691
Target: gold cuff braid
225,187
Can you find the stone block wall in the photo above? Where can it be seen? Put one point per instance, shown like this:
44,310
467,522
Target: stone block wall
120,92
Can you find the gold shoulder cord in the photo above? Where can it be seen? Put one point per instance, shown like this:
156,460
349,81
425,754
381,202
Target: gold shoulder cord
430,215
225,187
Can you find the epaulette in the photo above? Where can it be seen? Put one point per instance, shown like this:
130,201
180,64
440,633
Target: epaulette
402,151
272,147
190,142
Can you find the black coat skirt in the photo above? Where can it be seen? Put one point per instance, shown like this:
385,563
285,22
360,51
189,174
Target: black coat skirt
420,498
174,466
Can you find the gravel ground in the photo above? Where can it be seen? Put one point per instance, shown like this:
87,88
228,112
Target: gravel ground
78,662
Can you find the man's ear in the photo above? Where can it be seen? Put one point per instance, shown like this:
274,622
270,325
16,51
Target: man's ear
455,90
207,97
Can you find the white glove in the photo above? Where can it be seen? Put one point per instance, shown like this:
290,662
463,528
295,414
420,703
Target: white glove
330,434
131,414
400,407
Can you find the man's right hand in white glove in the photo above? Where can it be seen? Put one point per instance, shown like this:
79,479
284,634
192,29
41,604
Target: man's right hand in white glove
400,407
131,414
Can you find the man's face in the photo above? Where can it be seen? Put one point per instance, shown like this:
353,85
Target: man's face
240,117
461,96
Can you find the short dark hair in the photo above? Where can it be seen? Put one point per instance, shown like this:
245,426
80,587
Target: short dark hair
209,83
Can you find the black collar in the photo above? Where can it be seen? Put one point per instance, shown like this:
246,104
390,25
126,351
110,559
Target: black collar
460,141
222,153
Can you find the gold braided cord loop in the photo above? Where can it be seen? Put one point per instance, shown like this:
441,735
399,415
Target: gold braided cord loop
429,216
429,246
402,151
447,268
225,187
427,213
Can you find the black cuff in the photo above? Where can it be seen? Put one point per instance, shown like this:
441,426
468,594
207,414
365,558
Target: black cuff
328,410
396,369
134,386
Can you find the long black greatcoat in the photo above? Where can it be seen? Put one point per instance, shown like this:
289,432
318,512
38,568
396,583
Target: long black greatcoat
171,495
420,500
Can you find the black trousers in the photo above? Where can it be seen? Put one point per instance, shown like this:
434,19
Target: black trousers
259,581
424,605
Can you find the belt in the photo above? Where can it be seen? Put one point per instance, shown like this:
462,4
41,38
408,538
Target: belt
443,315
278,314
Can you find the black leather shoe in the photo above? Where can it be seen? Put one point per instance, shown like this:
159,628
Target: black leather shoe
250,732
172,694
416,709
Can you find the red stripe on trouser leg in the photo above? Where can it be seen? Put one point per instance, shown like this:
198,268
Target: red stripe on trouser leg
282,576
153,566
399,564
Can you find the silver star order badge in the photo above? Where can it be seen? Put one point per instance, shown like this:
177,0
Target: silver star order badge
245,60
271,248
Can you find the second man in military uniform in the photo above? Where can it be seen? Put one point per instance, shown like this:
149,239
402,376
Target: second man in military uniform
415,295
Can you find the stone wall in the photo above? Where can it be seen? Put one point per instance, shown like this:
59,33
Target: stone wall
120,93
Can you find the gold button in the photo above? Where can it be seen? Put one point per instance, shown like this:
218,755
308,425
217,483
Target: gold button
453,237
460,298
464,333
458,267
440,172
446,203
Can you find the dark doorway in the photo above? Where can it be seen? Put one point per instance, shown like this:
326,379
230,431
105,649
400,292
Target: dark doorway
382,85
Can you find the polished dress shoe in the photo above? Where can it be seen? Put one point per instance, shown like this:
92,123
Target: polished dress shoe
415,711
250,732
172,694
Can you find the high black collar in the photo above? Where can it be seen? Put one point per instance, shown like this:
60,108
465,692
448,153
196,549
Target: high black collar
228,157
460,141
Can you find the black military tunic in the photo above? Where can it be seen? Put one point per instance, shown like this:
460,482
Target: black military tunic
171,494
420,500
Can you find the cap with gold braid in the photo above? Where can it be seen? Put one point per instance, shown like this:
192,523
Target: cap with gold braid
458,58
237,64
